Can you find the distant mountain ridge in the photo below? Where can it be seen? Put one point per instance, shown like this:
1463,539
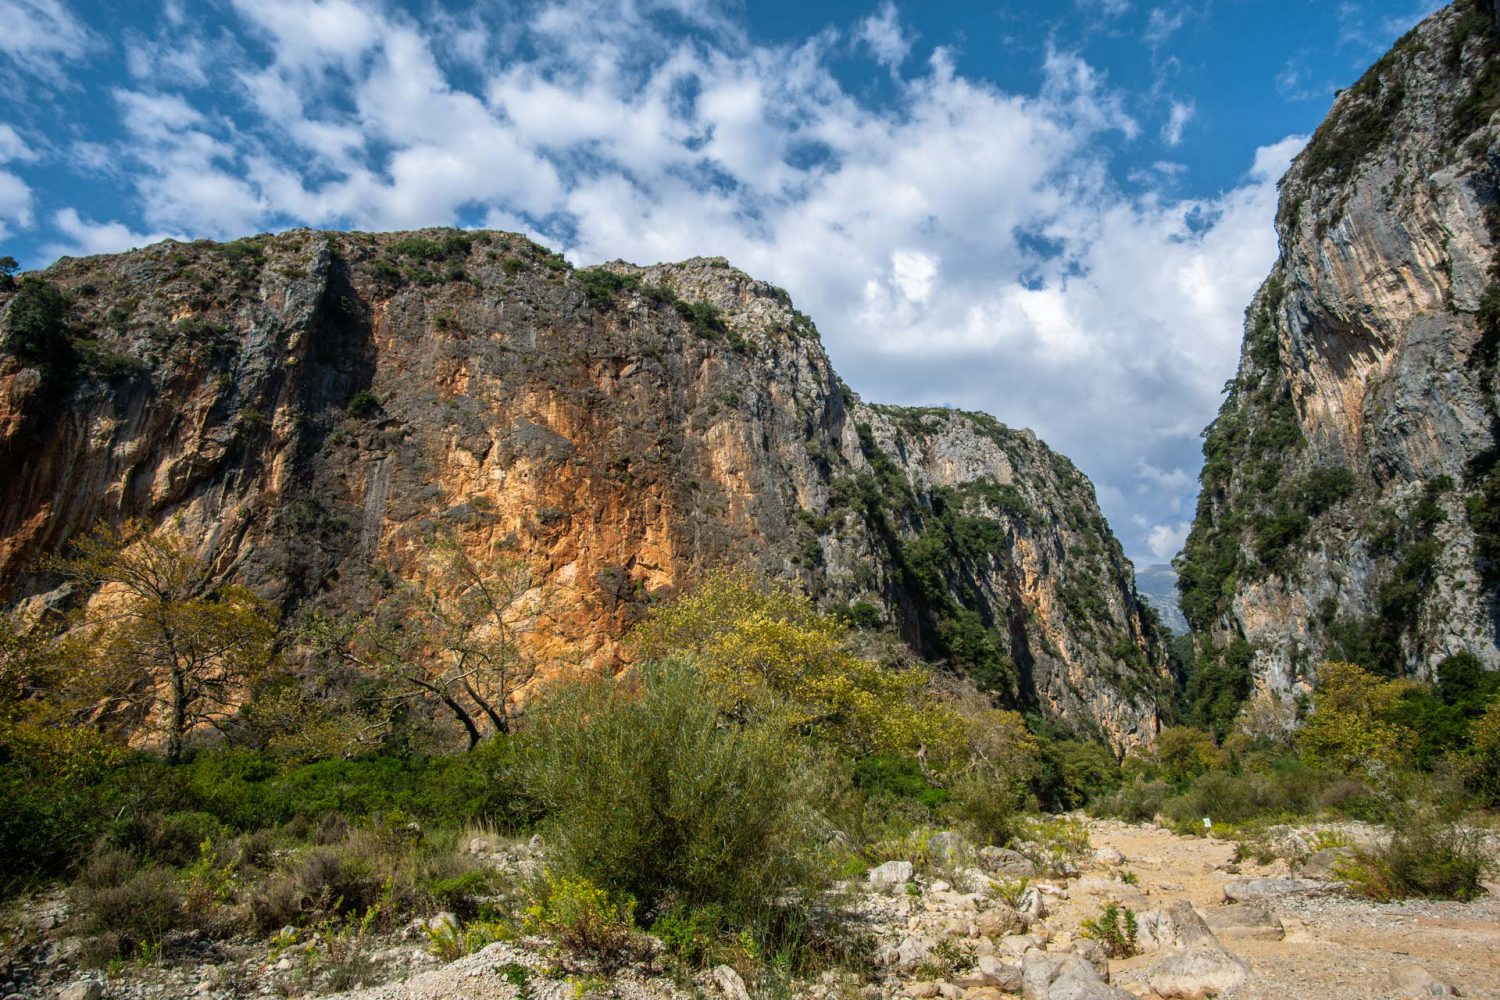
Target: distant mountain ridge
1158,585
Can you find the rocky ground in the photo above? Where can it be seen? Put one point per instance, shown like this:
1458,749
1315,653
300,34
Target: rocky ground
960,924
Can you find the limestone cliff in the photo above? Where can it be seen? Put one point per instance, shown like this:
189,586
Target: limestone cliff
312,407
1350,492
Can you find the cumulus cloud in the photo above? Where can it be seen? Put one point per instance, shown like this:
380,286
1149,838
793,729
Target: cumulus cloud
82,237
957,243
882,34
1166,540
15,194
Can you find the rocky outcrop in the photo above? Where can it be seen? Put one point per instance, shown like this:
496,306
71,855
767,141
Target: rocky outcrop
1350,502
311,408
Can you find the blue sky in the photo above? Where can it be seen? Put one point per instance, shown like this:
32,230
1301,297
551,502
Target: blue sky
1052,211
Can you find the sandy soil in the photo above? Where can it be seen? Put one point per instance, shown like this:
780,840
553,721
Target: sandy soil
1336,948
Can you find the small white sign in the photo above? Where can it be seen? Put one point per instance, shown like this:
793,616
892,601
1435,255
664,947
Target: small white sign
1208,824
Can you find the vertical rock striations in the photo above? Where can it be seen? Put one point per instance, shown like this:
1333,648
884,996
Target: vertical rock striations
1351,499
313,407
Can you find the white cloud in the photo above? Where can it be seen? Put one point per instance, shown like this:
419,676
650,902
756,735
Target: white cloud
1164,22
40,34
882,35
1177,119
1108,8
15,203
84,237
13,147
307,34
173,59
914,273
959,244
1166,540
15,194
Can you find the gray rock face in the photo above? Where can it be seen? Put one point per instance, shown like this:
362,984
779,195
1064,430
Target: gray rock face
948,848
1349,478
309,406
1158,585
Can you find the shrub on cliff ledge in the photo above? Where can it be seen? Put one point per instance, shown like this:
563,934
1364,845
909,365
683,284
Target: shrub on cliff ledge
38,332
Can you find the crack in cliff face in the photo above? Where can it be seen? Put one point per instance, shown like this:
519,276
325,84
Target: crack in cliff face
1342,513
312,409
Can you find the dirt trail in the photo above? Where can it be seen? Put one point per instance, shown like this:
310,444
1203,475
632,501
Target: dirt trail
1335,948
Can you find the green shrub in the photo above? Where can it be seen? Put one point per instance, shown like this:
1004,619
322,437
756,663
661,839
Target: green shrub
38,334
692,937
1138,802
171,839
461,893
986,810
1073,771
899,777
125,910
1423,856
1481,767
600,285
587,921
704,318
1114,928
653,797
362,404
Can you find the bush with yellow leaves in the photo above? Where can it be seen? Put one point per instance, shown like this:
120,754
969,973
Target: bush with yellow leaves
1352,724
764,648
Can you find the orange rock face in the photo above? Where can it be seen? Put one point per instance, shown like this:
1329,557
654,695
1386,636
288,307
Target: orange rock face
312,408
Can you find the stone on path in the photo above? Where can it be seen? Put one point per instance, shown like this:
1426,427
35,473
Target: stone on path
1244,920
1108,856
86,990
1031,907
891,875
1006,862
1155,930
1412,982
730,985
1201,967
1260,890
1064,977
999,921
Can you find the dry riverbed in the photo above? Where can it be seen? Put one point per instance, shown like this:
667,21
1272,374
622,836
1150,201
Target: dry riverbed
959,926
